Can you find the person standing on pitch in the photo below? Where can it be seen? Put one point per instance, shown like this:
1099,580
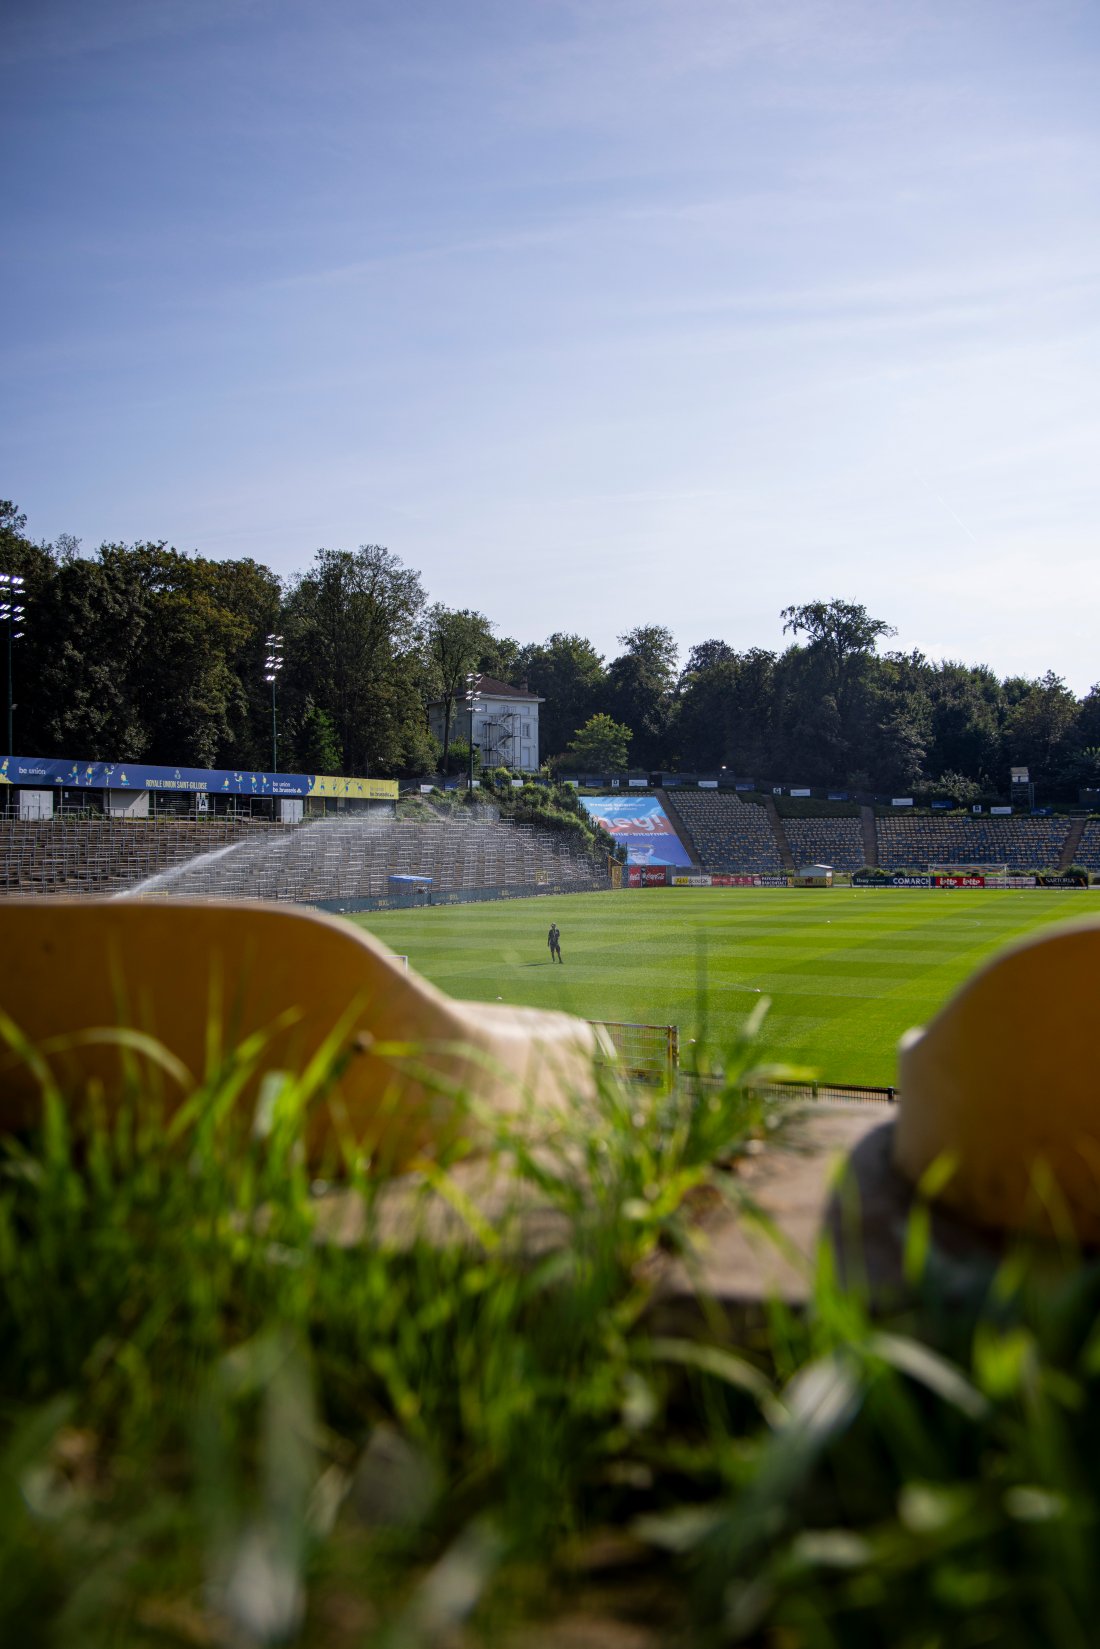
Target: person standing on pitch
553,939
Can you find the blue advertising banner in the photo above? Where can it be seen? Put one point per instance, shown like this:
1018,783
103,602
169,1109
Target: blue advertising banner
642,825
71,775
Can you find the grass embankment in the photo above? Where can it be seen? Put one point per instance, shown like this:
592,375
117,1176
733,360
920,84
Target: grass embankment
847,970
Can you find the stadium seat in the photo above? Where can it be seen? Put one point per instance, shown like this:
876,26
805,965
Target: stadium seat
836,842
201,978
330,858
1088,850
1003,1083
728,834
915,841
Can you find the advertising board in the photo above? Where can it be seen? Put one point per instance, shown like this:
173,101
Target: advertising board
959,881
643,827
646,876
771,881
898,879
85,775
691,881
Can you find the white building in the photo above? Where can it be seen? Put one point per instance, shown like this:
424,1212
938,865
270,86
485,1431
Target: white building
506,724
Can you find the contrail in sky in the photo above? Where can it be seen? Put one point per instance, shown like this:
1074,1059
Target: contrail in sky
947,507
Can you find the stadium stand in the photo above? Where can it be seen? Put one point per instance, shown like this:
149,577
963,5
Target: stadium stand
1024,844
836,842
729,835
1088,849
107,855
324,859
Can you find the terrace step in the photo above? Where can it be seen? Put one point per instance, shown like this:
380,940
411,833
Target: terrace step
785,855
679,827
1072,842
870,839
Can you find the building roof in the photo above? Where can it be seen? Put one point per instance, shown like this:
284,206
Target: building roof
489,687
500,690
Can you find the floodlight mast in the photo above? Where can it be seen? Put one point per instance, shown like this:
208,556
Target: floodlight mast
13,615
473,703
273,663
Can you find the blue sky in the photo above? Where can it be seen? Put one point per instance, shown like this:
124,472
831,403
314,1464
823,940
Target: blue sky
597,312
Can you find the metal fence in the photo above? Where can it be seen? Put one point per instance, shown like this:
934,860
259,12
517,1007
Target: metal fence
827,1090
642,1050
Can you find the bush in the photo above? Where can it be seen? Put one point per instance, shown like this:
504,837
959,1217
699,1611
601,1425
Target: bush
555,808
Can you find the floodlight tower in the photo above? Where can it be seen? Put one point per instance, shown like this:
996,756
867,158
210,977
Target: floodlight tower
13,616
473,704
273,663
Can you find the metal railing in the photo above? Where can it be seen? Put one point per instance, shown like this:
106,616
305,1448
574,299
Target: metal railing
641,1050
862,1091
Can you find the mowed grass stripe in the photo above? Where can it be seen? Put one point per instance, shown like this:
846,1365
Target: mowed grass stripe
847,971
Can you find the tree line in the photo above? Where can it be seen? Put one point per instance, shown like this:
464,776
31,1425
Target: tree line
143,653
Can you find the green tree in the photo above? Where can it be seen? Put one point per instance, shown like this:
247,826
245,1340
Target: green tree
900,717
1080,766
567,672
844,636
962,789
86,651
640,683
1086,730
967,707
705,656
142,652
1038,726
35,565
601,745
500,658
352,628
316,746
457,759
456,640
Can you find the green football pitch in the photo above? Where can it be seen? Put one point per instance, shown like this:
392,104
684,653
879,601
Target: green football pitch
846,970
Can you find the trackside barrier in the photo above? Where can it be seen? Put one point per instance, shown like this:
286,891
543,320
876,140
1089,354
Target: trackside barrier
968,879
642,1050
826,1090
448,896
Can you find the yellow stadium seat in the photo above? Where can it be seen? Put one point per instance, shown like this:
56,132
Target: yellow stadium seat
201,978
1004,1084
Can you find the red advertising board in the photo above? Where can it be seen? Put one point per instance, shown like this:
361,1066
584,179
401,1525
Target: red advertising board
646,876
960,881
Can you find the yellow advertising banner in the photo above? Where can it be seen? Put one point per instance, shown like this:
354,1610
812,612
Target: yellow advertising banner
366,790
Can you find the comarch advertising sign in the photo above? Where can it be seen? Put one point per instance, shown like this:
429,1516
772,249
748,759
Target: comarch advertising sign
70,775
642,825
